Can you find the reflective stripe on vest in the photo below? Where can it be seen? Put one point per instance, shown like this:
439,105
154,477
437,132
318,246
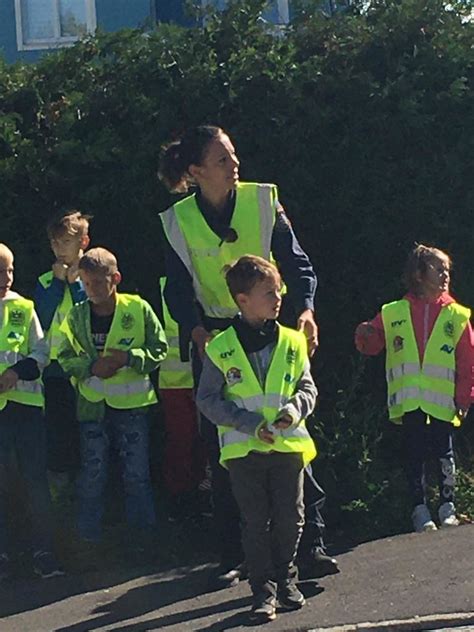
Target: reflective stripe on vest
127,388
204,253
243,388
173,372
14,335
54,334
430,386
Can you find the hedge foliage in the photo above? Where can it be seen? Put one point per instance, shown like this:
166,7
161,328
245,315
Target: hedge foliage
365,121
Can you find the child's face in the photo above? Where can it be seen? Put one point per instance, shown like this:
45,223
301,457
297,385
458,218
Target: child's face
68,248
435,280
263,302
99,286
6,274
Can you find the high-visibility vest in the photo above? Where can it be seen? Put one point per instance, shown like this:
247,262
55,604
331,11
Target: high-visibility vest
204,253
54,334
430,384
174,373
127,388
243,388
14,335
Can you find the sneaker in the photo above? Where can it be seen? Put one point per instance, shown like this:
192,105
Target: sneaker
316,564
45,565
227,577
263,609
288,595
447,515
422,520
4,566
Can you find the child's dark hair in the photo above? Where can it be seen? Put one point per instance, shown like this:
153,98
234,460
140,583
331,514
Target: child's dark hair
242,275
98,260
190,149
71,222
418,261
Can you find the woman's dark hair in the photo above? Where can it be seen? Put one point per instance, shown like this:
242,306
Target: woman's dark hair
417,263
176,157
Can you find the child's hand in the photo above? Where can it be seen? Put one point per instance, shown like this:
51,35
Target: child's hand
265,435
200,337
104,368
72,273
117,358
8,380
364,331
59,270
283,422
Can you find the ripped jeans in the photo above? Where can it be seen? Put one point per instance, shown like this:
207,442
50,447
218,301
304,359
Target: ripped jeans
126,432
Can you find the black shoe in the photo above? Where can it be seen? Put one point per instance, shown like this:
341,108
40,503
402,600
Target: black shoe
263,608
5,567
316,564
227,577
288,595
45,565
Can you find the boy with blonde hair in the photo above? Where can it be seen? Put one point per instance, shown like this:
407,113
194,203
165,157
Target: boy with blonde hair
23,353
56,292
256,386
112,342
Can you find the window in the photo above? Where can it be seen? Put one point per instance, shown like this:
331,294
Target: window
277,12
53,23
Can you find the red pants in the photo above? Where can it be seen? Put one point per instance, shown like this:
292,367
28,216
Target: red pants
184,458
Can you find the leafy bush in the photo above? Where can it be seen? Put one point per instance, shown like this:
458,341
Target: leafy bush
366,122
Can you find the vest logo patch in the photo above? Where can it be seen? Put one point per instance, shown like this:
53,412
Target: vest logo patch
17,317
449,329
447,349
227,354
291,356
127,321
126,341
398,343
233,376
397,323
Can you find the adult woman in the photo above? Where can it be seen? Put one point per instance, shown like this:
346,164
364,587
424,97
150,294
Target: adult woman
222,221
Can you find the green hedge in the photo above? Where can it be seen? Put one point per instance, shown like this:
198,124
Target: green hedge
365,121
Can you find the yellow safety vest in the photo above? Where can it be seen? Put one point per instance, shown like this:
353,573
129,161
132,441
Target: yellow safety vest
14,335
174,373
429,385
54,333
127,388
243,388
204,253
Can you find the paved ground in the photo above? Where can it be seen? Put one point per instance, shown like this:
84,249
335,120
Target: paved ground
412,578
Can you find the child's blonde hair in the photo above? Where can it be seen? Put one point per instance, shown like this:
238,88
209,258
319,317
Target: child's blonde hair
99,260
71,222
5,252
242,275
417,263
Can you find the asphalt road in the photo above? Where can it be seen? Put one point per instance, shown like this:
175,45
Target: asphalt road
407,582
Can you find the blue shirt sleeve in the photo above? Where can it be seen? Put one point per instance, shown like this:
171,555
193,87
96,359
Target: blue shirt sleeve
47,299
78,294
294,264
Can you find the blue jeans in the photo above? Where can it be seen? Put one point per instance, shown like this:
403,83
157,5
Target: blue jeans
23,437
127,432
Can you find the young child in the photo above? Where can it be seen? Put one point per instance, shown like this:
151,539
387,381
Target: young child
429,356
256,386
113,341
23,352
184,459
56,292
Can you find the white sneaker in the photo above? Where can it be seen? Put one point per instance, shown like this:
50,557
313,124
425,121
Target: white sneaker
447,515
422,520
